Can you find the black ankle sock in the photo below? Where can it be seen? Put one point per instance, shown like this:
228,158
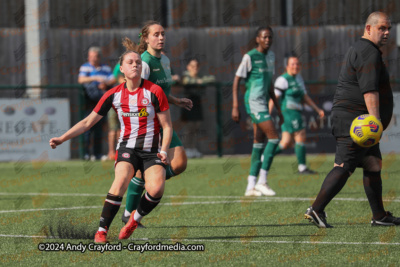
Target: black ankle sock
373,189
110,209
333,183
147,204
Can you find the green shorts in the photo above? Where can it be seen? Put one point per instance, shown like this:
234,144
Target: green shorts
175,141
113,123
293,121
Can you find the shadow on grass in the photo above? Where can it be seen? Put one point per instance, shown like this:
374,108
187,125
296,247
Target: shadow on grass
61,228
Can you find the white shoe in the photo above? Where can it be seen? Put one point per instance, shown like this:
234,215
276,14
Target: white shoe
253,193
265,189
92,158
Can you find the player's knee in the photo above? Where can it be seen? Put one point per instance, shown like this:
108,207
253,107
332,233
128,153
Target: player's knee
178,169
179,165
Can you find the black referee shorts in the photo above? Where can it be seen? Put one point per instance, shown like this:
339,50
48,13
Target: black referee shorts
140,160
347,151
352,155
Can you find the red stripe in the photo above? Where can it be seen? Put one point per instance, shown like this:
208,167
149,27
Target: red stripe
142,120
125,108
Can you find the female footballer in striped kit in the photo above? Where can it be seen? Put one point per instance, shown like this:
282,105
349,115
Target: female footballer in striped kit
156,68
142,109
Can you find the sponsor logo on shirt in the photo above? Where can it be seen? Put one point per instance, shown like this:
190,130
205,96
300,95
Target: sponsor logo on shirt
141,113
156,69
258,61
165,80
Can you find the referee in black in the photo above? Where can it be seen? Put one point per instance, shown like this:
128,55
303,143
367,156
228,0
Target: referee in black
363,88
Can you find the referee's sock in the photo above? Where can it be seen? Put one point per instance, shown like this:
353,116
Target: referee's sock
133,195
373,189
333,183
110,209
147,204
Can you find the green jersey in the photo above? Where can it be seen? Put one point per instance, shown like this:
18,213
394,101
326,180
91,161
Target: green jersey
157,70
291,91
257,68
117,72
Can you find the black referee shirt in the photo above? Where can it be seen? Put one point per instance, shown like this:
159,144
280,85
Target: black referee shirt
363,71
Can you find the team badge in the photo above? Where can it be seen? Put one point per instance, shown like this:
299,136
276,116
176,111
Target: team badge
126,155
145,101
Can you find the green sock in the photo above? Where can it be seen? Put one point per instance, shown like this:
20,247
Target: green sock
169,172
300,150
134,194
269,152
278,150
256,158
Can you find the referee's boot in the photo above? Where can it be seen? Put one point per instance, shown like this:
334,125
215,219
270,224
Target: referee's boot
388,220
319,219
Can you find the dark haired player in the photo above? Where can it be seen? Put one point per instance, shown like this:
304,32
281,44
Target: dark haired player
257,68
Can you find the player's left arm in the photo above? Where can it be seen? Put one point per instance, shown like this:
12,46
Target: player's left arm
185,103
164,117
311,103
272,96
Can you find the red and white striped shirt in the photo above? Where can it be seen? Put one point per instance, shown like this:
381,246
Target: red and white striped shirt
136,111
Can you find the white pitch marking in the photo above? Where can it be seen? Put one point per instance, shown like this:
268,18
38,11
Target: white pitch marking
229,241
258,199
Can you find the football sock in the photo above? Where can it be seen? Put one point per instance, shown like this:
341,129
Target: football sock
133,195
169,172
278,149
300,150
147,204
262,179
110,209
251,182
256,158
269,153
333,183
373,188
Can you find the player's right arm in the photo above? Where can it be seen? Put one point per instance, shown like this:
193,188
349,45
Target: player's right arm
242,72
101,109
235,104
77,129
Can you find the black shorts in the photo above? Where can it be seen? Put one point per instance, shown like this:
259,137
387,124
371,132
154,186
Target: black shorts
352,155
140,160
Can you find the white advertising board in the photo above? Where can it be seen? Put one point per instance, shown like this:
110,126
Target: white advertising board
26,126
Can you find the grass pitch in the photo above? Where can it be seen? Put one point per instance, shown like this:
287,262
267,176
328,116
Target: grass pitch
62,202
